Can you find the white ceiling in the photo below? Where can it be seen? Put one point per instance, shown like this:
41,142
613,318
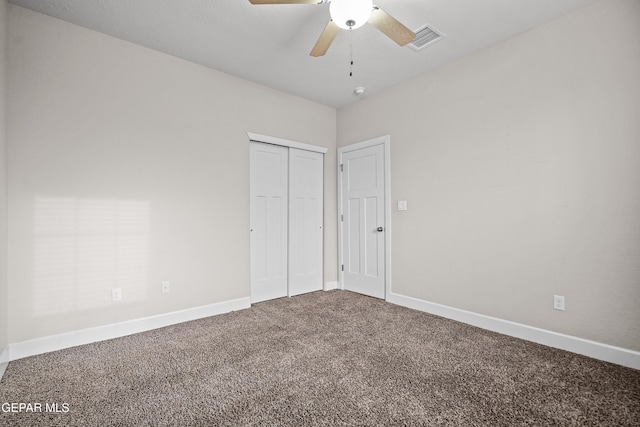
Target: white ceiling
270,44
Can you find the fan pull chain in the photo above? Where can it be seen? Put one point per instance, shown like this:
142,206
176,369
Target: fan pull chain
350,52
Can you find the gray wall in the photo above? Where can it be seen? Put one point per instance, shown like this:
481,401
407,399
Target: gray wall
520,164
521,168
128,167
3,184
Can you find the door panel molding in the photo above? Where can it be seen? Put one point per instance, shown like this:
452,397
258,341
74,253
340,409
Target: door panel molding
385,142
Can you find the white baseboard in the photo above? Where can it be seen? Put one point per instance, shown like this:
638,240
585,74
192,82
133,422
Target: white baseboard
100,333
4,360
329,286
596,350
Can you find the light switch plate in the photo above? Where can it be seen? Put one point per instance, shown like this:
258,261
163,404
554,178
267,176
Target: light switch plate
402,205
165,287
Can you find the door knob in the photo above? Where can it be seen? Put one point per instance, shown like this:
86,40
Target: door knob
380,229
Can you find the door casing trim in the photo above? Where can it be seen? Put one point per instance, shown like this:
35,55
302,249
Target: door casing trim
286,143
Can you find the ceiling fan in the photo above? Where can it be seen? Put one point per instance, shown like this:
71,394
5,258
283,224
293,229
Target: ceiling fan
349,15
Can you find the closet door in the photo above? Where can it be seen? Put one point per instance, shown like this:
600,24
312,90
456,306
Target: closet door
305,221
268,215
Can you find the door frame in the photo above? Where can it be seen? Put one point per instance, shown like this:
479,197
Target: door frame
286,143
385,141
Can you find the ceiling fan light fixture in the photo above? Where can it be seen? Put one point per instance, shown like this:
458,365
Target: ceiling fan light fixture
350,14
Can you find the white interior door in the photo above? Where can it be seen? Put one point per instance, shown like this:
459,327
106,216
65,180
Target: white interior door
363,220
305,221
268,215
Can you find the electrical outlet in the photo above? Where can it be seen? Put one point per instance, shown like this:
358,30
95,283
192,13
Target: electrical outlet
116,294
558,302
165,287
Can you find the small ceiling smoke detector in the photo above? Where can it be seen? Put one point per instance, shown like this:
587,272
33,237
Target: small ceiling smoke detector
359,91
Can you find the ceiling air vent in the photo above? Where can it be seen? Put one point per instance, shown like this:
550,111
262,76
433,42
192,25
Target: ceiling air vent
425,36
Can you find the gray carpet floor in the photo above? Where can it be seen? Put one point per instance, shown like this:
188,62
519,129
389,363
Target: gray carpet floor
326,358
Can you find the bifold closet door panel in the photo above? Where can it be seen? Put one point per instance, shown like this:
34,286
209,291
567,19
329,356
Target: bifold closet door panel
269,206
305,221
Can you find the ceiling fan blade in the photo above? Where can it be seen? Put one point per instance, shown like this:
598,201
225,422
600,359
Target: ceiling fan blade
391,27
284,1
326,38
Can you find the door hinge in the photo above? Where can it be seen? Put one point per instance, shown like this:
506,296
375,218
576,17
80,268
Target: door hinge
342,267
341,168
341,217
